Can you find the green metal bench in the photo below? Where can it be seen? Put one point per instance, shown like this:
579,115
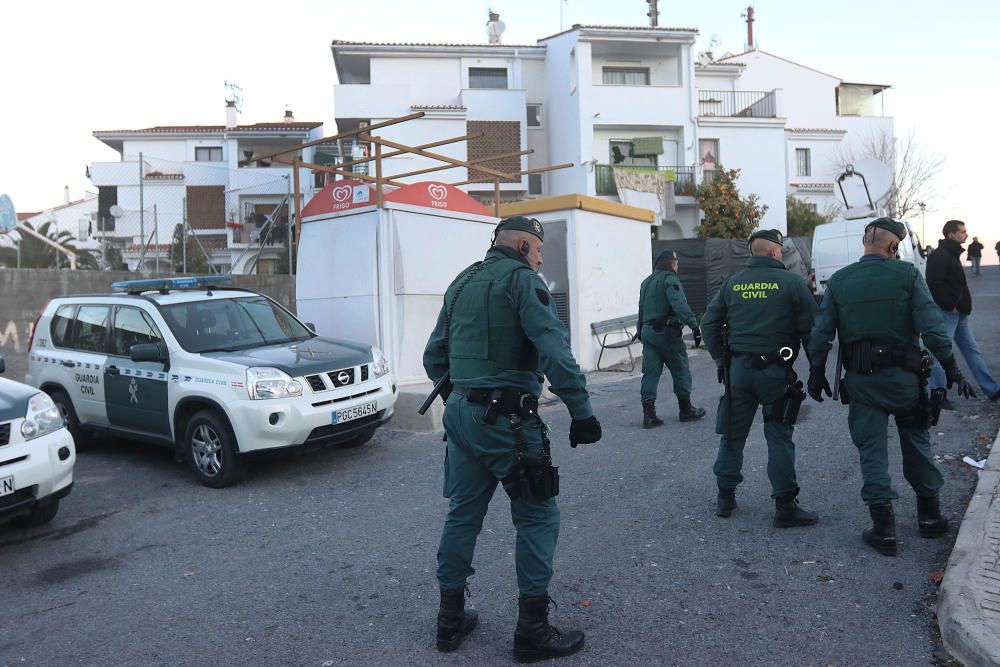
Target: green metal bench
622,329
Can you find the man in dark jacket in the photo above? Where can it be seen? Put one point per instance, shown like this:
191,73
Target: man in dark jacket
946,280
975,254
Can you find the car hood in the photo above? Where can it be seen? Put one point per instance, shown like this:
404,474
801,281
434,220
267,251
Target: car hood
301,357
14,399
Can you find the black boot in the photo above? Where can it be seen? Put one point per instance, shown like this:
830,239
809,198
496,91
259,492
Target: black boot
649,418
788,514
882,536
535,639
454,620
725,503
929,519
688,412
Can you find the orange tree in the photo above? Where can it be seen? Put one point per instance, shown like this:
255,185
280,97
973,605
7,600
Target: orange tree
727,215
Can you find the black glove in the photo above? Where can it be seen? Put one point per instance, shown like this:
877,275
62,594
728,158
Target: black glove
584,431
955,377
817,384
720,371
696,332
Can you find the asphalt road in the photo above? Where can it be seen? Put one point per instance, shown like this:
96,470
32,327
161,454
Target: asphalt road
327,557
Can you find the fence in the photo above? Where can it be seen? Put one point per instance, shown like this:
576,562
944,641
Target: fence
737,103
684,184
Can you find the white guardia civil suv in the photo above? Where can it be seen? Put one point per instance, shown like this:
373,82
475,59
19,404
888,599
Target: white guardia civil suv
216,373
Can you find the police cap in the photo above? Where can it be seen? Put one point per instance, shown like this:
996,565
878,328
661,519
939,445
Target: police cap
897,228
520,223
772,235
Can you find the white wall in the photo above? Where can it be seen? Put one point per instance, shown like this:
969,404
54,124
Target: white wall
569,138
68,219
811,95
431,80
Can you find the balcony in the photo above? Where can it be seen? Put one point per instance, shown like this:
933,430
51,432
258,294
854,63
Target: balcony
685,179
654,106
737,103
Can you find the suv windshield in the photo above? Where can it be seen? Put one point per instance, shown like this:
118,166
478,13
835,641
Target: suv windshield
228,325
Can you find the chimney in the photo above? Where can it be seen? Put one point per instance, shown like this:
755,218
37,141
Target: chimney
289,118
231,114
495,27
65,194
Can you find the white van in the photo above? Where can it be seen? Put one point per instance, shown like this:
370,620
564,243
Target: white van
839,243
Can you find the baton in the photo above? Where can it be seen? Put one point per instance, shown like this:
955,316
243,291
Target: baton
439,386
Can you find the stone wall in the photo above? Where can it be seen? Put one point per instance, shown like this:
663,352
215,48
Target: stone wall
24,292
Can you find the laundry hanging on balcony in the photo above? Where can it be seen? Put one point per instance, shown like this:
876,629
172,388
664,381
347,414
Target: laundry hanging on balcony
647,146
648,188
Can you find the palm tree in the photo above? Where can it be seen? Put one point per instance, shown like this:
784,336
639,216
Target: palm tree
38,255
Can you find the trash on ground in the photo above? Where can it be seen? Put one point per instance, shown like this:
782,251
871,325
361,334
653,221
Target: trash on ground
974,463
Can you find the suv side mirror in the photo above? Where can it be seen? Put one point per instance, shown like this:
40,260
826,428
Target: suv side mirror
3,366
146,352
310,326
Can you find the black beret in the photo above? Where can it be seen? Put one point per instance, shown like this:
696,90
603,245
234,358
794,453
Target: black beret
897,228
521,223
772,235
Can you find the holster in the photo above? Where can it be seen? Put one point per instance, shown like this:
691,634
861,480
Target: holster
786,409
533,478
937,401
668,324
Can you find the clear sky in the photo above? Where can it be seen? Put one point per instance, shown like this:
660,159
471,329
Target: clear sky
69,68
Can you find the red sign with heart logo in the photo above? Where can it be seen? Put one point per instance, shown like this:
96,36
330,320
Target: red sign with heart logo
340,196
439,196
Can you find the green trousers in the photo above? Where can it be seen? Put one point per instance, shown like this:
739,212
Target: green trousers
873,398
659,350
752,388
479,455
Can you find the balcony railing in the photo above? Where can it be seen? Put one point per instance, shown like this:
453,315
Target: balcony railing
684,180
737,103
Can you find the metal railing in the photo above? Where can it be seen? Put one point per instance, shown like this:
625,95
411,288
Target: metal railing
685,181
737,103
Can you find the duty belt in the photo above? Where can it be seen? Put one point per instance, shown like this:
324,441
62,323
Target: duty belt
759,360
502,400
867,357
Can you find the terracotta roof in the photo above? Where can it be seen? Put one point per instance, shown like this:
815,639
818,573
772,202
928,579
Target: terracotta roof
815,130
25,216
636,28
344,42
812,186
438,107
206,129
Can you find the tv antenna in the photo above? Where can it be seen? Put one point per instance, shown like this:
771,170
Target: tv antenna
234,94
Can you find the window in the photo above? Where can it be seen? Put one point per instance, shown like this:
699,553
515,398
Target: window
811,207
83,229
90,332
534,184
208,154
232,324
534,115
132,327
60,325
625,76
803,166
708,151
488,77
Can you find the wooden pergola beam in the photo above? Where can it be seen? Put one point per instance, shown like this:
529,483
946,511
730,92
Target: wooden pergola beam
432,144
434,156
536,170
428,170
334,170
335,137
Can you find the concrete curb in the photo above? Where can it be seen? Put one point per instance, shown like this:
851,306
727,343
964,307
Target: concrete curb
968,605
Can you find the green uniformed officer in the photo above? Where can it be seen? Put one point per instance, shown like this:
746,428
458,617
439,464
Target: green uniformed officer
498,335
663,312
767,312
877,307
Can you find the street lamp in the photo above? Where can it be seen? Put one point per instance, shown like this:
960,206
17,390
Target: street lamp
923,221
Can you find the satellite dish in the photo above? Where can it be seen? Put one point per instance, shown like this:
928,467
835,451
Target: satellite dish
704,59
8,216
116,211
864,184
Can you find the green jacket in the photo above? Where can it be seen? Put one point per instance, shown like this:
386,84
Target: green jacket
925,316
766,307
530,304
661,295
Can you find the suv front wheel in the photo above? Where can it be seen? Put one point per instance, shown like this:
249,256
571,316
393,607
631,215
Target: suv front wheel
211,449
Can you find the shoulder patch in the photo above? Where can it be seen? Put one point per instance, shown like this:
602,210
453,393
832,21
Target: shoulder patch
543,296
677,287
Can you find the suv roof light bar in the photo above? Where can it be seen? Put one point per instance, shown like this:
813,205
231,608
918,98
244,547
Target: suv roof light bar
164,285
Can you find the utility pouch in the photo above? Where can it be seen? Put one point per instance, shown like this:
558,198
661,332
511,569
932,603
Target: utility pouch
534,478
793,403
845,398
675,330
659,324
936,402
493,407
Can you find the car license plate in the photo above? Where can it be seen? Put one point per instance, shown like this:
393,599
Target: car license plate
358,411
7,486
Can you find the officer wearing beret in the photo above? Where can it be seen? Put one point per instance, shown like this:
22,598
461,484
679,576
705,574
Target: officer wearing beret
663,312
498,336
768,312
878,307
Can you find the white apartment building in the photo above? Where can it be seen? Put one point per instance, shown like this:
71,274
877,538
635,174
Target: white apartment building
598,96
172,175
78,218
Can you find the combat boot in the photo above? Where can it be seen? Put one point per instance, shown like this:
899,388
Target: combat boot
788,514
725,503
454,620
688,412
882,536
535,639
929,519
649,418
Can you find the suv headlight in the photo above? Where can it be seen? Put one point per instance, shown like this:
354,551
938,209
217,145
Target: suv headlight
380,365
41,418
271,383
